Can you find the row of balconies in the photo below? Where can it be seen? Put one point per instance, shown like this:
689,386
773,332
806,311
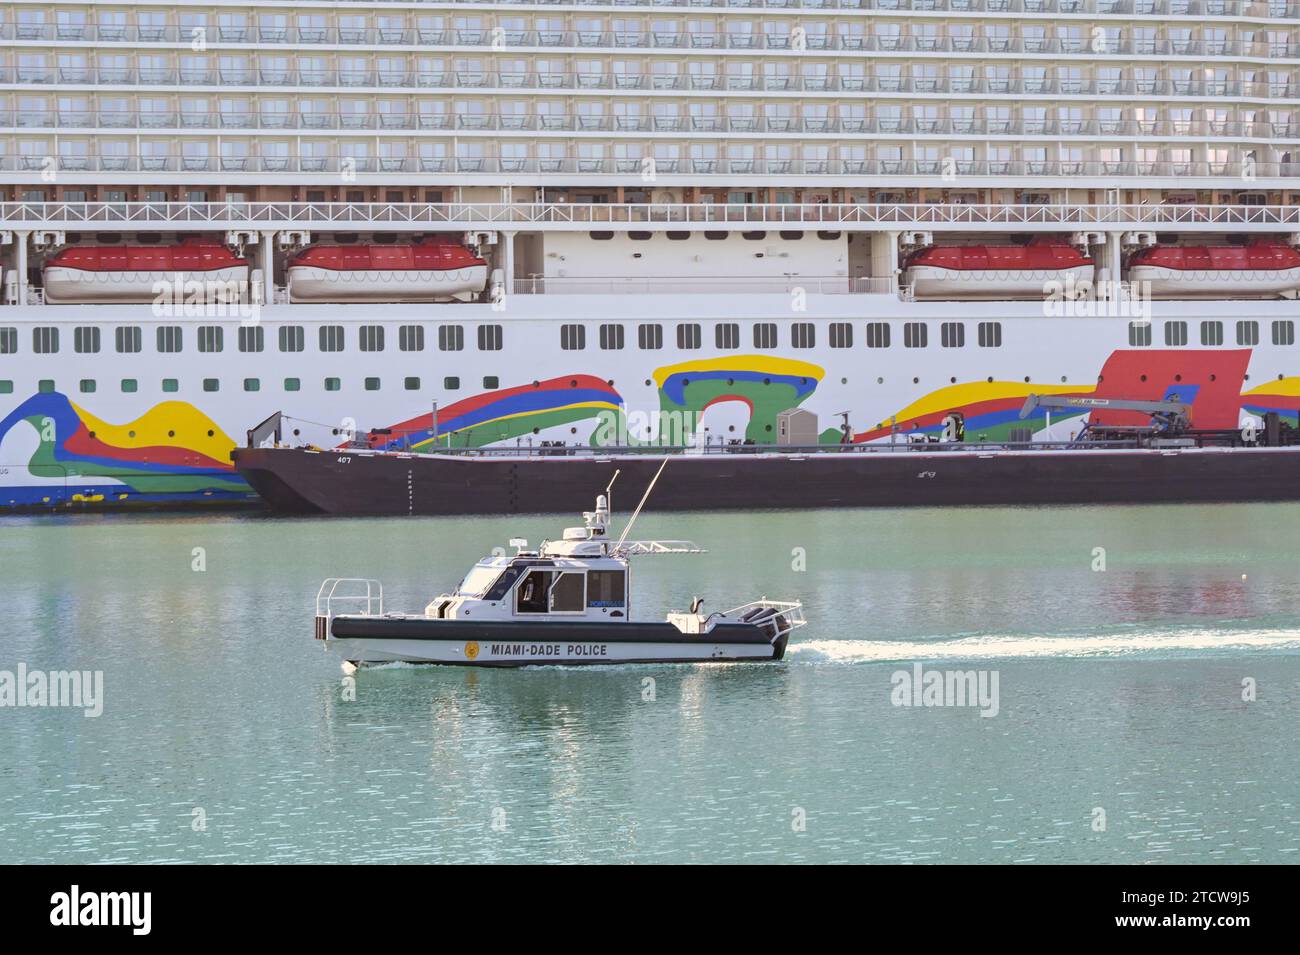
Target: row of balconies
489,81
174,120
312,26
1242,171
1116,43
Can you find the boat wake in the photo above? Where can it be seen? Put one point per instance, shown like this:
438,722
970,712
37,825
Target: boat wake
1173,642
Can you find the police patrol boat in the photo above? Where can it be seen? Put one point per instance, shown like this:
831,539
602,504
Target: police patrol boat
568,602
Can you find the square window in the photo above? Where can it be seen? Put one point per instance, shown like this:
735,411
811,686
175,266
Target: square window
87,386
333,384
877,335
410,338
915,335
6,387
411,384
372,384
990,334
491,382
451,383
252,384
252,338
130,386
45,386
1139,334
170,385
292,384
211,384
291,338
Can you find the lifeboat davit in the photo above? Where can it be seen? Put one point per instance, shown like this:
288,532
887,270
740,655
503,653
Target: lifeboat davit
113,274
995,271
431,270
1262,268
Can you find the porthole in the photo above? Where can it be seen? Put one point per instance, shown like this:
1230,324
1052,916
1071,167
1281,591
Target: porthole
1142,378
844,381
916,381
953,380
573,382
648,382
880,381
537,431
171,434
1178,377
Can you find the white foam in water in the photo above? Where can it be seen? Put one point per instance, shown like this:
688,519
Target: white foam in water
1116,644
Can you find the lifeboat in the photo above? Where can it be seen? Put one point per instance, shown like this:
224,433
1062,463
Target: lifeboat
116,274
1262,268
995,271
431,270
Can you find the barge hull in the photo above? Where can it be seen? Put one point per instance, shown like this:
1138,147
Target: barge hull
299,481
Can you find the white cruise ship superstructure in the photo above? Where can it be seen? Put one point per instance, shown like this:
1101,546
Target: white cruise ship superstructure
468,224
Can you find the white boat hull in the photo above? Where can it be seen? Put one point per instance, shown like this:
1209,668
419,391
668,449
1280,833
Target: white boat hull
928,281
545,652
1215,283
308,283
66,286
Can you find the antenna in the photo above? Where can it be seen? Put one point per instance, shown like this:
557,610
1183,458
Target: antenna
609,490
642,504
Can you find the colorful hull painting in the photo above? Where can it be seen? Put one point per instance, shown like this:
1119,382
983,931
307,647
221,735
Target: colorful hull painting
766,384
1211,381
53,452
1281,395
504,415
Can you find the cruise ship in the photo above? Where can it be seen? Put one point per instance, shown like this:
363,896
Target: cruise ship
527,223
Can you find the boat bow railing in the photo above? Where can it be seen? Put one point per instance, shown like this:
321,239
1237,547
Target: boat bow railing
356,595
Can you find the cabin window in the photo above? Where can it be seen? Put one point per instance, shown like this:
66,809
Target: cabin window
411,383
6,387
8,341
170,385
491,382
170,338
333,384
803,335
877,335
211,338
372,384
573,337
45,340
451,338
489,338
252,338
331,338
650,337
841,335
87,386
726,335
1175,333
611,337
291,338
85,340
211,384
130,386
688,335
915,335
1211,333
1284,332
606,588
45,386
533,591
765,335
252,384
1139,334
1248,333
410,337
451,383
372,337
292,384
569,593
990,334
127,339
952,335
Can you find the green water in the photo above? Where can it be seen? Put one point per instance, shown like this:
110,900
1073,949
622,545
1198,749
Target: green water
226,735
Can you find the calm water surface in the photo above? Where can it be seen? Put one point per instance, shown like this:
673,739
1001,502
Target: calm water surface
1119,689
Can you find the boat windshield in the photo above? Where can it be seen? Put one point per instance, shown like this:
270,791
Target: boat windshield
478,580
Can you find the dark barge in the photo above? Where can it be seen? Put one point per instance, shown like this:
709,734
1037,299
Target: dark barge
535,480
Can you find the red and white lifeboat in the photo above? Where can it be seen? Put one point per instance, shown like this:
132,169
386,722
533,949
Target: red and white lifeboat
995,271
1261,268
431,270
114,274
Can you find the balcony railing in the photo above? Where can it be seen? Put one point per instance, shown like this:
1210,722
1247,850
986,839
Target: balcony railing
694,126
491,83
690,167
454,216
298,31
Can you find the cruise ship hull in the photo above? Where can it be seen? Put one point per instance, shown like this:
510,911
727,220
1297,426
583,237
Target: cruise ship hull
296,481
